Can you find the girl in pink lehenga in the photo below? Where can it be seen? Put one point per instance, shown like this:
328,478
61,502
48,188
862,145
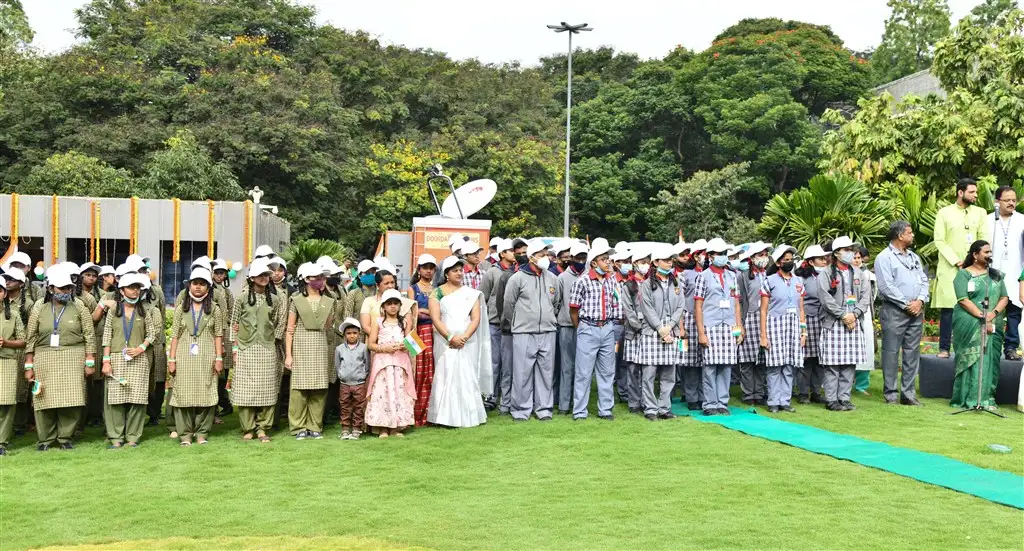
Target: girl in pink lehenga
391,391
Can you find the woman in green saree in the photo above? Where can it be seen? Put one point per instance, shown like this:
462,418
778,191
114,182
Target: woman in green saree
975,284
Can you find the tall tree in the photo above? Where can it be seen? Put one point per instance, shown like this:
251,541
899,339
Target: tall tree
908,45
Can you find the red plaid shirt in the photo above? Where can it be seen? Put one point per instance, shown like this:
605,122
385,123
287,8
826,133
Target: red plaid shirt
597,298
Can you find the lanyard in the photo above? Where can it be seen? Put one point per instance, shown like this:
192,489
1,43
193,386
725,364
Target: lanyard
196,320
127,327
56,316
912,267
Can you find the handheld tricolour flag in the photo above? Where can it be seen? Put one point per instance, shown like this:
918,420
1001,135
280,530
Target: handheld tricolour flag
414,344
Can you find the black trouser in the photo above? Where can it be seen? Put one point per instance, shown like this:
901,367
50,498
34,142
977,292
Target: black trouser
156,400
1012,321
945,328
223,397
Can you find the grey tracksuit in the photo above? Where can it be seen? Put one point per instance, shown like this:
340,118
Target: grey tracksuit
530,303
661,303
566,341
501,372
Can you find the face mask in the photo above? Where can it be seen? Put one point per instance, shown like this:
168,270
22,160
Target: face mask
368,280
199,298
689,264
700,258
544,263
131,300
744,266
663,271
625,269
598,270
761,262
62,298
720,261
846,258
642,269
522,260
334,281
734,264
317,284
579,266
818,269
787,267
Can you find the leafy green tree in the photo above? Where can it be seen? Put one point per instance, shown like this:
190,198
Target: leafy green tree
706,205
309,250
976,130
913,29
75,174
828,207
989,12
186,171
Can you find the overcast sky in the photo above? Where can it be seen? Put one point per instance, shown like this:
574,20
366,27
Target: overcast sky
516,31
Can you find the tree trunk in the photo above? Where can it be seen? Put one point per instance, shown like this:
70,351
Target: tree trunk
781,185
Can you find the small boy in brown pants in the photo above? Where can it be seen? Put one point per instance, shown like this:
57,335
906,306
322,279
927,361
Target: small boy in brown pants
352,363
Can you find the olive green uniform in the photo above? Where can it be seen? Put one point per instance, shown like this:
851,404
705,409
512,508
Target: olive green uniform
127,388
11,360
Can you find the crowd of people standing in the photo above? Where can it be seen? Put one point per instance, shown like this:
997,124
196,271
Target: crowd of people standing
525,328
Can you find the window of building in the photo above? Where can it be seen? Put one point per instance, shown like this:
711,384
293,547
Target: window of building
112,251
174,275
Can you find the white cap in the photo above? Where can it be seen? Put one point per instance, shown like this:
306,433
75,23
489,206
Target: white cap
20,258
201,273
454,239
385,265
308,269
3,284
535,246
58,277
263,250
598,248
734,250
470,247
561,245
842,242
259,266
755,248
426,259
15,273
716,245
643,252
449,262
220,264
323,259
390,294
123,270
145,281
494,241
136,259
277,260
700,245
202,262
780,250
327,266
681,247
106,269
71,267
134,265
505,245
88,266
578,248
131,279
663,251
349,322
365,266
814,251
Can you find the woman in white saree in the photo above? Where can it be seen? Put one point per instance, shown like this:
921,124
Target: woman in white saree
462,351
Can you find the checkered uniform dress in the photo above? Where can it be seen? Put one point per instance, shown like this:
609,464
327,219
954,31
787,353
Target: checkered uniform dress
784,338
227,305
312,360
652,351
23,305
195,382
748,350
813,337
839,346
722,349
136,372
254,380
11,368
158,351
692,357
285,298
61,370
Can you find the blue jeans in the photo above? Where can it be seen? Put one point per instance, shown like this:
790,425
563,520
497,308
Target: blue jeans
945,328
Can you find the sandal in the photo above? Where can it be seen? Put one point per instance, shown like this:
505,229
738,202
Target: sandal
263,438
185,443
383,436
114,446
174,434
399,435
133,444
201,441
218,421
247,436
943,354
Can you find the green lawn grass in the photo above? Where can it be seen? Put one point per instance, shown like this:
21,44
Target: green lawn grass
594,484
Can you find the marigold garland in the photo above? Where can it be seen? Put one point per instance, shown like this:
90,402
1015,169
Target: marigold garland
247,233
133,229
210,229
55,230
13,246
176,246
96,235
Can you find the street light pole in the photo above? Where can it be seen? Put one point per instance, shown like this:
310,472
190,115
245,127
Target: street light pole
572,29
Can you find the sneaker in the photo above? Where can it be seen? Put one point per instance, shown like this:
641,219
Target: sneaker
3,450
1012,355
710,412
834,406
803,400
667,415
608,417
302,435
788,408
315,435
345,435
356,434
773,409
724,411
651,417
693,406
42,447
847,406
67,446
636,410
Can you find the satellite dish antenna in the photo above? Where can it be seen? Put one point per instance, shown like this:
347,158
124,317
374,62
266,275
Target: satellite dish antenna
469,199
